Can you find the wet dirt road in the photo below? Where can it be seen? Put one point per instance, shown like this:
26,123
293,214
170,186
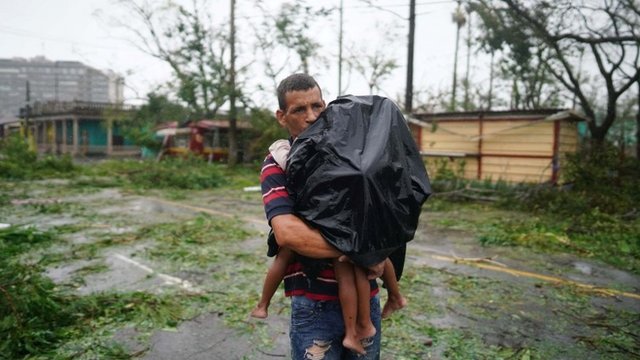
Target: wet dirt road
450,254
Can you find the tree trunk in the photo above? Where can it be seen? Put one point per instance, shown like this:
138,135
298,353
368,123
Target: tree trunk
490,96
638,125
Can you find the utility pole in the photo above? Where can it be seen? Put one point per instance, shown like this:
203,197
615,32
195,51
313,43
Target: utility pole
459,19
27,111
233,139
340,49
408,95
467,84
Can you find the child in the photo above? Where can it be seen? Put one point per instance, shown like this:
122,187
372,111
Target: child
355,310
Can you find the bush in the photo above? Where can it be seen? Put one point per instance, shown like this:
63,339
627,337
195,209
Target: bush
172,173
16,158
18,162
605,178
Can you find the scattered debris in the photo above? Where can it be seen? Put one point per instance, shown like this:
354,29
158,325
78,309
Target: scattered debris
252,188
489,260
34,201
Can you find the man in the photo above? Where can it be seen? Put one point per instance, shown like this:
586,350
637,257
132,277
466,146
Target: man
317,327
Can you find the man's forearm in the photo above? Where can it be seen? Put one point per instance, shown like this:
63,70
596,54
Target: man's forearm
293,233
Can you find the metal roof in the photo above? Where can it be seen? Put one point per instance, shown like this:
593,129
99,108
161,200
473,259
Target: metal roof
541,114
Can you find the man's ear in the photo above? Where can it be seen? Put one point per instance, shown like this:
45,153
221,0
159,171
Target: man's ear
280,117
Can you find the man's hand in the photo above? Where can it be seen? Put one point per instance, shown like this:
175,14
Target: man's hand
373,271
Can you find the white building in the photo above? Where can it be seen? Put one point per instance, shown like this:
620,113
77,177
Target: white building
54,81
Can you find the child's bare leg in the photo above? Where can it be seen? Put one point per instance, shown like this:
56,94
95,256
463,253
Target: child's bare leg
349,304
274,277
395,300
365,327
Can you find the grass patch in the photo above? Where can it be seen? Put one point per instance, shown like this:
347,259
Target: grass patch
176,174
472,317
15,240
592,234
197,243
37,317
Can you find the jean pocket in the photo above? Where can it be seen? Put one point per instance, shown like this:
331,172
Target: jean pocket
303,312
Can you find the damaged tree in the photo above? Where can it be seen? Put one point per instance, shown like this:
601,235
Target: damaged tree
195,50
607,31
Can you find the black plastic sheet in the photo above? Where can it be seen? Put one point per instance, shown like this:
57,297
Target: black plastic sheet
356,175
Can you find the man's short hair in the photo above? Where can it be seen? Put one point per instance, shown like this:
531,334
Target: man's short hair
295,82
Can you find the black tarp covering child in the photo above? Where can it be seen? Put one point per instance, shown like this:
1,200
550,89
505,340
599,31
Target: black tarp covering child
356,175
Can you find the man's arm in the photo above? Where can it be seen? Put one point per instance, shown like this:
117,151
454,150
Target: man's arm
293,233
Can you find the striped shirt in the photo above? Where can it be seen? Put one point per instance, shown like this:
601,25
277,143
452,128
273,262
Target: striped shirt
276,201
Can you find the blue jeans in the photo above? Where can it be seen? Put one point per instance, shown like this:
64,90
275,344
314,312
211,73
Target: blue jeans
317,329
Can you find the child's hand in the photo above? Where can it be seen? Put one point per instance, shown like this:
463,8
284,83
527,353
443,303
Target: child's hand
373,271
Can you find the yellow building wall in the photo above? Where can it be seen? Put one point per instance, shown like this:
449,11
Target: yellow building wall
517,138
466,168
568,142
451,136
511,169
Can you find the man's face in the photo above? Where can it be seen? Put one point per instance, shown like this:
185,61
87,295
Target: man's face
303,108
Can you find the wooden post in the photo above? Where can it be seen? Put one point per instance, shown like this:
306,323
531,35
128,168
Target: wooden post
480,133
76,135
109,137
555,160
64,136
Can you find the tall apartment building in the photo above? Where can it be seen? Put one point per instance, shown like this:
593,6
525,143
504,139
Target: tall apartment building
54,81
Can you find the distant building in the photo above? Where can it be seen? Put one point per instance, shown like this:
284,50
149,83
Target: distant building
513,146
58,81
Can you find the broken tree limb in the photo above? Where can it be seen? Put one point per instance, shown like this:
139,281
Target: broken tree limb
488,260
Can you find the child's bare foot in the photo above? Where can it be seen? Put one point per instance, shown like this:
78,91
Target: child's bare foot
365,331
260,312
352,343
393,304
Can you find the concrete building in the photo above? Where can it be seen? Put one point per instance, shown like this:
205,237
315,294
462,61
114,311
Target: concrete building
54,81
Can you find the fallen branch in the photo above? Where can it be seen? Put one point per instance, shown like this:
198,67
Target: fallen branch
274,355
566,242
489,260
34,201
470,193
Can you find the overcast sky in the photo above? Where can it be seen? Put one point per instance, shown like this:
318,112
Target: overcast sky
77,30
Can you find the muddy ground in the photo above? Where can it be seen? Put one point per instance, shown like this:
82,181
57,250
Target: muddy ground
548,306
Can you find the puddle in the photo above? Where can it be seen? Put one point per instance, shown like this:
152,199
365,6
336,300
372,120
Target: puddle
583,268
207,338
